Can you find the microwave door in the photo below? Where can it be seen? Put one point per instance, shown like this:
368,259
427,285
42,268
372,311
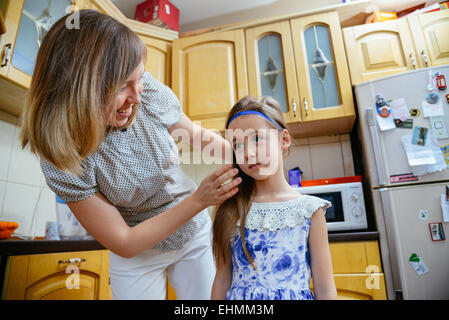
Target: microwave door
336,215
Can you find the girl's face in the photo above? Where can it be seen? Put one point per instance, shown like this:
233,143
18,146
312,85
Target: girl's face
127,99
257,145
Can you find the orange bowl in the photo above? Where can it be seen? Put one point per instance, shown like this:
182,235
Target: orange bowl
7,229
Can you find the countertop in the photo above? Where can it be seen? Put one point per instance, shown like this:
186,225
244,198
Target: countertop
16,246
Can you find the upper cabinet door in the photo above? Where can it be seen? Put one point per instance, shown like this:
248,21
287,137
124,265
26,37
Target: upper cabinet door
209,75
430,33
158,62
271,67
321,67
379,49
29,21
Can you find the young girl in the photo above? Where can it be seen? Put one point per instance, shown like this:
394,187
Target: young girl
268,239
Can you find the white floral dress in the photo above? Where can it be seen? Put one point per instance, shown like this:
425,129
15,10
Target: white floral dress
276,237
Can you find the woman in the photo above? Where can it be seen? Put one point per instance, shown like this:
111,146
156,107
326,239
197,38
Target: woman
101,127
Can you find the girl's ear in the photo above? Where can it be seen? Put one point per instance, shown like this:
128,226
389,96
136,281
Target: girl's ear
286,140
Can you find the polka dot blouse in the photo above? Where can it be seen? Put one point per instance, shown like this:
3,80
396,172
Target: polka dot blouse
137,169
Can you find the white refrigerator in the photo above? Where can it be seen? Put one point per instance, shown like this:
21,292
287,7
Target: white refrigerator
404,205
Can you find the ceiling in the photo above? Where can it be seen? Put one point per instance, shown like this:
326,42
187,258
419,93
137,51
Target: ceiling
195,10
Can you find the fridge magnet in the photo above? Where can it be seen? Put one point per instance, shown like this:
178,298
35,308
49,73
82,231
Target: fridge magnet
420,136
439,127
398,123
432,109
423,214
406,177
399,109
383,109
414,112
432,85
407,124
432,98
447,98
417,264
385,123
441,82
436,231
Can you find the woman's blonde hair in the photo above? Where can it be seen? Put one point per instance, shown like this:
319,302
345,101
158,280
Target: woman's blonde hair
77,77
237,207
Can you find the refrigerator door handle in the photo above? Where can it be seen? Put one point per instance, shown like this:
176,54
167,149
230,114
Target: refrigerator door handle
394,250
375,139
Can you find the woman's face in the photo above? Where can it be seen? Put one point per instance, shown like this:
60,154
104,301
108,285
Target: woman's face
127,99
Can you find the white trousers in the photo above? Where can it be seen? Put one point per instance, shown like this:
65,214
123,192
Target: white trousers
190,270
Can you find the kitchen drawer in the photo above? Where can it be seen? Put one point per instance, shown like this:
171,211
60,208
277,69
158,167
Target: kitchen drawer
355,257
43,265
359,286
53,277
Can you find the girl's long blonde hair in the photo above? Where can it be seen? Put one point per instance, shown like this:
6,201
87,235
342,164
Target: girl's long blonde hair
237,207
77,77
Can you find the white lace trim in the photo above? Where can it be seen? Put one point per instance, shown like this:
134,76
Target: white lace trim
280,215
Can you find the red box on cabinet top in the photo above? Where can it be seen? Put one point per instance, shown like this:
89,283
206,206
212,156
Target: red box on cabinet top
161,13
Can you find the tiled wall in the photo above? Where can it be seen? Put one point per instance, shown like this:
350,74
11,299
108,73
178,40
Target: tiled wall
25,197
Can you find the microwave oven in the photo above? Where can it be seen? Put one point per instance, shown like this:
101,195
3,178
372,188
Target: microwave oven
348,206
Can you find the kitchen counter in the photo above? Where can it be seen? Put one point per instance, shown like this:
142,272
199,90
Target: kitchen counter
16,247
13,247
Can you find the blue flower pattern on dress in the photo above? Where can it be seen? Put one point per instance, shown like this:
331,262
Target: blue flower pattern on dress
282,261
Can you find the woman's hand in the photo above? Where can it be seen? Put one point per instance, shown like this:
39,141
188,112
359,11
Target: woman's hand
212,190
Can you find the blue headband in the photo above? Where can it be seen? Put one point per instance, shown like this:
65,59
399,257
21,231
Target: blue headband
256,113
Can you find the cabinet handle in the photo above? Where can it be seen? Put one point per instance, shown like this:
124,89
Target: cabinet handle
6,55
294,107
413,61
306,107
72,260
424,56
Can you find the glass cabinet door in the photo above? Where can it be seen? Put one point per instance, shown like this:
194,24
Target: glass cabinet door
321,67
36,18
271,66
320,63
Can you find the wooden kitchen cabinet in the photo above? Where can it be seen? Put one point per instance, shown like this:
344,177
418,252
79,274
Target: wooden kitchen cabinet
157,40
158,62
209,75
271,66
357,270
25,24
20,44
55,276
321,68
380,49
430,32
300,62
